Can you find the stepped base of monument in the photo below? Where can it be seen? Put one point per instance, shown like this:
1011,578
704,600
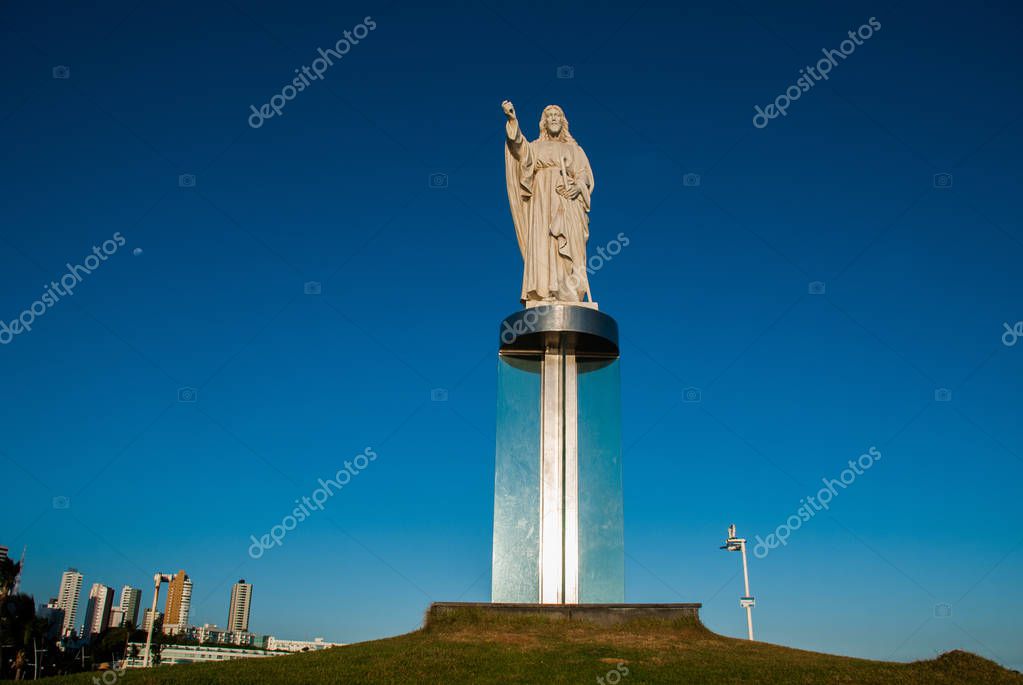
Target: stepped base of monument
603,614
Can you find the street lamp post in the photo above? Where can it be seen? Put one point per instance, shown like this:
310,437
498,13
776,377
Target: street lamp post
157,580
35,659
735,544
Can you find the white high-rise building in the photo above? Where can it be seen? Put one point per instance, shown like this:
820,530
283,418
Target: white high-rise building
131,598
147,618
97,614
238,612
3,552
116,619
67,598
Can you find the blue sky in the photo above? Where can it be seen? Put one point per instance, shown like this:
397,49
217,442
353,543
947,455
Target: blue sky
711,293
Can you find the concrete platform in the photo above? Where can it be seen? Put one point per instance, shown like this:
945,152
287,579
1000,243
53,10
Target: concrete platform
603,614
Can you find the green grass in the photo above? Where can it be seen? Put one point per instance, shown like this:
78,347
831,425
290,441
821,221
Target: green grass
471,646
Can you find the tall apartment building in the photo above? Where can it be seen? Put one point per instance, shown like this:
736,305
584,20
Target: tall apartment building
131,598
97,611
67,598
179,600
116,617
148,617
238,612
3,552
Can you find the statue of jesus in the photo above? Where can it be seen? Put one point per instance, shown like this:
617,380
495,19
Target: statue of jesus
549,186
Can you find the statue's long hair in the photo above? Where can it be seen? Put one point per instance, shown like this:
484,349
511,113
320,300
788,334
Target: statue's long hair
565,136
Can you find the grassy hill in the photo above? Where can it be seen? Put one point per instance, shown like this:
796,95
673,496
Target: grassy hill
474,647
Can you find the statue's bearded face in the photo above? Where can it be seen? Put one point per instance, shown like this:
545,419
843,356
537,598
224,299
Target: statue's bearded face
555,121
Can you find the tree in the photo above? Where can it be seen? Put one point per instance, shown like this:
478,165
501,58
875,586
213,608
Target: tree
17,627
110,644
21,633
9,571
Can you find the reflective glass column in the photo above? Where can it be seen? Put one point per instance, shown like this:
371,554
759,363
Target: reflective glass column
558,520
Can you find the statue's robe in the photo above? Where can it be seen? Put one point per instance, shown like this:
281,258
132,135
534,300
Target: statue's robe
552,230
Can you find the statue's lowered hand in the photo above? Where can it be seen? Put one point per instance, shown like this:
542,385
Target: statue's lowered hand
571,192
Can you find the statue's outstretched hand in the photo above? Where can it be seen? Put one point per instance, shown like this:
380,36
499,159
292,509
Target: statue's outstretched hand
509,110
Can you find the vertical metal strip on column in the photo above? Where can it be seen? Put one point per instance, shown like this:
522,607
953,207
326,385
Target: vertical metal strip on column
552,477
571,482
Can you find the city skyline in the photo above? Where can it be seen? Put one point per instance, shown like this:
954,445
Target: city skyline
101,608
